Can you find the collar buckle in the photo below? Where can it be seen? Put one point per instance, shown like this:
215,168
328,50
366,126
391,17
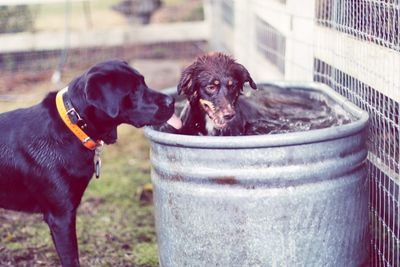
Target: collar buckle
73,121
76,119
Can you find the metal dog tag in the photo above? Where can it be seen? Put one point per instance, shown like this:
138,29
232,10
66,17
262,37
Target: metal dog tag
97,166
97,160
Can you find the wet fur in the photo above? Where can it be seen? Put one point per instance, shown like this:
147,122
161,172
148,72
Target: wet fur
44,168
226,98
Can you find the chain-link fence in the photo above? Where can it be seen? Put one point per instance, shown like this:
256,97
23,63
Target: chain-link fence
354,47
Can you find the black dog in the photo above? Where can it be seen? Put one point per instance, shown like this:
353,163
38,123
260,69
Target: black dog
47,155
213,85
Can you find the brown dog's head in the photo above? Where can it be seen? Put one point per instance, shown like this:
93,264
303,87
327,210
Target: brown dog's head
214,83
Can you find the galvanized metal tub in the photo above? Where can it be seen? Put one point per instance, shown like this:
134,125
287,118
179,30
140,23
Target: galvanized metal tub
294,199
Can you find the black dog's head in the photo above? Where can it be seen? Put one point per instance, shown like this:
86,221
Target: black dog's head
111,93
213,83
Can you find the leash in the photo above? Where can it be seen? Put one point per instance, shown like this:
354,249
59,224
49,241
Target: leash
76,125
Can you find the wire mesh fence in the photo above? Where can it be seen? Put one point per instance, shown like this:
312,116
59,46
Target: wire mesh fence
352,46
383,159
372,20
271,43
376,22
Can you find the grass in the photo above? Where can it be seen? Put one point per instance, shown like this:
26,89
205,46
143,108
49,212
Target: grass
111,215
113,227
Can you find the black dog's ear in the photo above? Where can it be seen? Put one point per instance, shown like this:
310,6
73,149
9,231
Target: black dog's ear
245,75
186,85
99,93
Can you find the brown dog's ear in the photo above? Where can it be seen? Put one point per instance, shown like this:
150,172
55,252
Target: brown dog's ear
186,85
245,75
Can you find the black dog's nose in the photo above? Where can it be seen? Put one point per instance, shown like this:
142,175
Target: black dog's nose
165,101
169,101
229,116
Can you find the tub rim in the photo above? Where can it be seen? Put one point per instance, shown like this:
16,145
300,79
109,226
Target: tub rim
271,140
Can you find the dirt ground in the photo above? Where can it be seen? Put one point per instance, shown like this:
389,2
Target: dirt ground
114,227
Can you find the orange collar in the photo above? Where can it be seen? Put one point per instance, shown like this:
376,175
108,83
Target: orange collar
88,142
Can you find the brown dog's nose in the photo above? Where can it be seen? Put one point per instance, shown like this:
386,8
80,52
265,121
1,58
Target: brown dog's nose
228,112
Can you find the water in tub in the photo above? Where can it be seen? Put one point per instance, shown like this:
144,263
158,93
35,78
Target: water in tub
291,110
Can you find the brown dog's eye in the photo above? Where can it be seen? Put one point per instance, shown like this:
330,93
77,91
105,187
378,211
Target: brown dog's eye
211,88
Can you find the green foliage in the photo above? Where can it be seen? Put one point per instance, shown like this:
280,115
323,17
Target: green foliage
145,255
15,19
197,14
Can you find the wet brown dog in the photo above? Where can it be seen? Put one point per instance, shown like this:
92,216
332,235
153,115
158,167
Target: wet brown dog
213,85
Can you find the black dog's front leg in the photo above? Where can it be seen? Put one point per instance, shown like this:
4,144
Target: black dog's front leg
63,232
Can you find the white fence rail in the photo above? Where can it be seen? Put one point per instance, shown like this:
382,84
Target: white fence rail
38,36
149,34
